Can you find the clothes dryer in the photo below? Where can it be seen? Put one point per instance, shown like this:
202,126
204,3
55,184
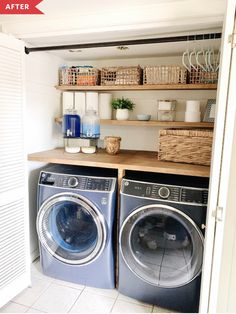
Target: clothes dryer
76,211
161,240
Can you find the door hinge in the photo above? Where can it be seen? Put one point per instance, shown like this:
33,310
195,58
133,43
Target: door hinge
218,213
232,40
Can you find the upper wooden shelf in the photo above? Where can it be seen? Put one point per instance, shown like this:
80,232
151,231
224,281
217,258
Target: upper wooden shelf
138,87
153,123
125,160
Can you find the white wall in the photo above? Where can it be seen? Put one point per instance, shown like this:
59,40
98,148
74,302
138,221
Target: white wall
146,138
42,105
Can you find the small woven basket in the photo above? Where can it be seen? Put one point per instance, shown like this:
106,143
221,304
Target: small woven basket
188,146
198,76
121,75
82,76
163,74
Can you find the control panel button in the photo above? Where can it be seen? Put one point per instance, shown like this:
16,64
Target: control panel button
164,192
73,182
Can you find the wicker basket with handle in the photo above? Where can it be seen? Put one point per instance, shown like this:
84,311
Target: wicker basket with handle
191,146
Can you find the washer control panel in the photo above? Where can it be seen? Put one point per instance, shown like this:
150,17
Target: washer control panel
170,193
76,182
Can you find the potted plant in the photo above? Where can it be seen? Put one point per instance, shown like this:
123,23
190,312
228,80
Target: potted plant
122,107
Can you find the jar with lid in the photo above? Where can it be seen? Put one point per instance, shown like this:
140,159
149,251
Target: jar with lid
71,131
90,125
71,124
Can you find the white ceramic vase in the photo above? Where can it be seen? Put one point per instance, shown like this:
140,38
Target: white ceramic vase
122,114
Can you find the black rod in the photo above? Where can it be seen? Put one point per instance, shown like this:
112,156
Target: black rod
127,42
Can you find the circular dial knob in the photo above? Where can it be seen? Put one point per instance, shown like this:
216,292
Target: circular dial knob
164,192
73,182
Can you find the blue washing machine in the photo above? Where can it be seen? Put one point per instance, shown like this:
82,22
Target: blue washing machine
161,239
76,212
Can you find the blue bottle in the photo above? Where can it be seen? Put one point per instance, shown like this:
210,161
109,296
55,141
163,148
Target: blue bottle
71,124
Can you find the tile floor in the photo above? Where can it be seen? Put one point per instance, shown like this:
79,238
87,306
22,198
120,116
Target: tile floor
48,295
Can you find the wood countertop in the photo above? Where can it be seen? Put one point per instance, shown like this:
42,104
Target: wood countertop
125,160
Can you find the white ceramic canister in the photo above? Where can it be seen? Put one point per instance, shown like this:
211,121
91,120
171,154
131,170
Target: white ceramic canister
192,116
104,104
193,105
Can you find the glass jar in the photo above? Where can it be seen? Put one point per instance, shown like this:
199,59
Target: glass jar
90,125
71,124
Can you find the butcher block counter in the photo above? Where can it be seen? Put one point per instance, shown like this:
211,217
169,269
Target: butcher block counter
125,160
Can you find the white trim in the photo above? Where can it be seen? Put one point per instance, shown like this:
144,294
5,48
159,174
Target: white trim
208,298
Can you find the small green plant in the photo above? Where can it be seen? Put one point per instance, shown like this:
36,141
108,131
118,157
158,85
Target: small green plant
122,103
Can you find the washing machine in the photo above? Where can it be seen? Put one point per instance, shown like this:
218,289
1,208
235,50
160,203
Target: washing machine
75,223
161,239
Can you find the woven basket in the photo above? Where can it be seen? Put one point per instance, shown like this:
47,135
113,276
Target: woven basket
188,146
81,76
198,76
121,75
170,74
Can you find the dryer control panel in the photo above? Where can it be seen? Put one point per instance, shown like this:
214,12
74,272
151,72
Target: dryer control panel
76,182
171,193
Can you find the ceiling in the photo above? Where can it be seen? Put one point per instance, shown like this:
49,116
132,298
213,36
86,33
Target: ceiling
75,21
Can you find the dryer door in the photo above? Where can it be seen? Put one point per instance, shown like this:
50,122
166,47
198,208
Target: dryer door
162,246
71,229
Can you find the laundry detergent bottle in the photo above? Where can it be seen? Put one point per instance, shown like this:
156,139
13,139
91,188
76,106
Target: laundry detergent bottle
71,130
90,125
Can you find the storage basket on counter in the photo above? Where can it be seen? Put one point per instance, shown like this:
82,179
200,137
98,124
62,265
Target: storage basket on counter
191,146
121,75
81,75
162,74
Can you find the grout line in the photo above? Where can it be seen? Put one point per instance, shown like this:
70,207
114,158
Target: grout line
75,301
114,302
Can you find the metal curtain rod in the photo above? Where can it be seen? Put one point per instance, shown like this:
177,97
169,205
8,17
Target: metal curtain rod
128,42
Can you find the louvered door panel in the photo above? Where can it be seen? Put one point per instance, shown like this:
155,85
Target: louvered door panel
14,248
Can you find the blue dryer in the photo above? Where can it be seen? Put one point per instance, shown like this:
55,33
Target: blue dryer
76,211
161,239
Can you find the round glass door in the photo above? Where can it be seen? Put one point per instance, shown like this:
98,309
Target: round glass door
162,246
71,229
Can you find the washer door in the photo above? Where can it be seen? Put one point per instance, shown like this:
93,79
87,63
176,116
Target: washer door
162,246
71,229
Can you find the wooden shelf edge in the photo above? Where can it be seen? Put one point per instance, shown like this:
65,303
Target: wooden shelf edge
126,160
138,87
152,123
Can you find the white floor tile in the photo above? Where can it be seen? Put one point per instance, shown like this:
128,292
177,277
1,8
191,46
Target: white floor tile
158,309
36,271
126,307
68,284
122,297
30,295
56,298
111,293
92,303
12,307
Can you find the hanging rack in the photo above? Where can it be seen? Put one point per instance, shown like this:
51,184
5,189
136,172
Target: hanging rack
144,41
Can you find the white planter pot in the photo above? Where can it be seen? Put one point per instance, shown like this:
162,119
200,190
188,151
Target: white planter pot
122,114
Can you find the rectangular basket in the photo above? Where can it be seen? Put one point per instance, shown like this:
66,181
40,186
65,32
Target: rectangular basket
191,146
121,76
198,76
169,74
82,76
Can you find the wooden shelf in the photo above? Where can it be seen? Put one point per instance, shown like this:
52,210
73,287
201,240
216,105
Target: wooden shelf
125,160
153,123
139,87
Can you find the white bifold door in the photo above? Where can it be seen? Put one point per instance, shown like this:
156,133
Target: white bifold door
14,239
